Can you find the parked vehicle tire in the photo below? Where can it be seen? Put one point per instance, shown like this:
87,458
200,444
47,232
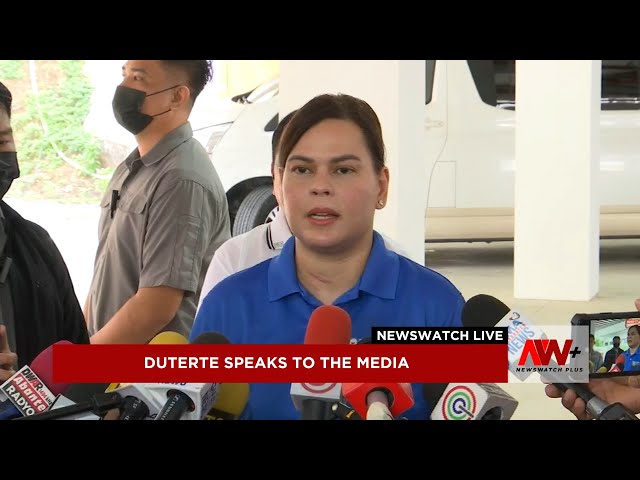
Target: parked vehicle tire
258,207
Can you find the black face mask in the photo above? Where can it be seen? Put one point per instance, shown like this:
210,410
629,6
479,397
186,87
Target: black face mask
9,171
127,105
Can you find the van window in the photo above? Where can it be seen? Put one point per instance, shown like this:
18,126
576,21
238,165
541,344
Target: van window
272,124
620,85
431,70
495,81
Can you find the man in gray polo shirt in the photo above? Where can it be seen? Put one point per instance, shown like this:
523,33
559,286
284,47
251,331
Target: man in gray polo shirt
164,212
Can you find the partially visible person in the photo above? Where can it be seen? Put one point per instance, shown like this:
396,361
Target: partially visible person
612,354
164,212
595,357
38,304
331,178
260,243
632,355
256,245
624,390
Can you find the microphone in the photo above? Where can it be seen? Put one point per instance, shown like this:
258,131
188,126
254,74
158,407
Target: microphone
327,325
469,401
230,403
345,412
168,338
31,389
192,403
133,407
76,394
619,365
487,311
135,402
396,398
170,401
98,404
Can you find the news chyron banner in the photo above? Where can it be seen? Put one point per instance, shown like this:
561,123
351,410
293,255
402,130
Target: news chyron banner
424,355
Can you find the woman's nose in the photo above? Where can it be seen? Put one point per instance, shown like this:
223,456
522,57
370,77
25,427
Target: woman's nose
321,184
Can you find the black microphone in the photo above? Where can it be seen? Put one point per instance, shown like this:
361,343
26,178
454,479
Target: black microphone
97,404
180,402
487,311
133,408
345,412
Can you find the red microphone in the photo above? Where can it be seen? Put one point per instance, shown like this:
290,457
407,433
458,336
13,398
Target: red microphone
619,365
398,397
328,325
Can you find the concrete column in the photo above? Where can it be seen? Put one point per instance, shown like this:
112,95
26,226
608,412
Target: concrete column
556,251
395,89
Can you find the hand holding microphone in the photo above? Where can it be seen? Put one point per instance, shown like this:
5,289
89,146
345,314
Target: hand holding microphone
8,359
487,311
379,411
390,399
31,390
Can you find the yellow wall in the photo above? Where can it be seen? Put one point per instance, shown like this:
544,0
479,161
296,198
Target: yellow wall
239,76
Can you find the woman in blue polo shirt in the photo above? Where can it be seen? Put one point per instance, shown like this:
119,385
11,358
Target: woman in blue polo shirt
331,179
632,355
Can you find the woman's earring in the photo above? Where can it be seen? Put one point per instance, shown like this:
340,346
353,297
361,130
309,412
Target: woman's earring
381,203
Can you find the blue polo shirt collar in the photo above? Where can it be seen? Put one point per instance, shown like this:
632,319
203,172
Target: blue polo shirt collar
380,276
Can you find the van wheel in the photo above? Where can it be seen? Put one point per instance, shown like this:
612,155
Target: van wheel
258,207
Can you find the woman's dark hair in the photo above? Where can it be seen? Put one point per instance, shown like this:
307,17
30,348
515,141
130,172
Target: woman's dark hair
277,136
335,106
637,327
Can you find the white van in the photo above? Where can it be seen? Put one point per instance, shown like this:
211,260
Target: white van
469,122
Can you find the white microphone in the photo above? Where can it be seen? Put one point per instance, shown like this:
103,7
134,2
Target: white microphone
172,401
469,401
175,401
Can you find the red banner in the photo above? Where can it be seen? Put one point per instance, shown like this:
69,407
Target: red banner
460,363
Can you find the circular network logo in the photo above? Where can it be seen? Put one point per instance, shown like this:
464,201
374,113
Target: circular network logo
318,387
459,404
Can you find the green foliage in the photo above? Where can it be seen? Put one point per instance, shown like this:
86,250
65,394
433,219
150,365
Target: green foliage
11,69
53,124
